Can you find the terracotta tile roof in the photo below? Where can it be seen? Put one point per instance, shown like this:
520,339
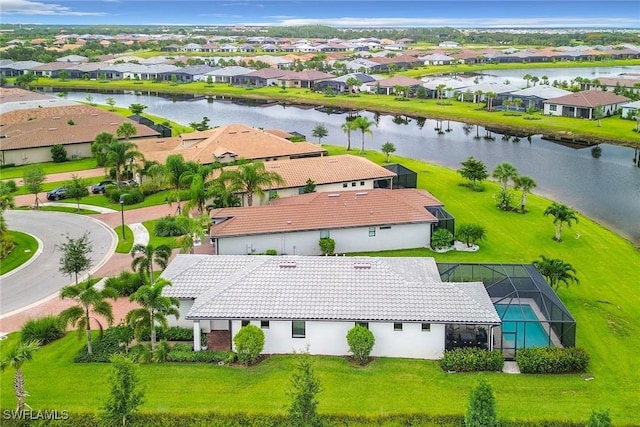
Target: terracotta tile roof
8,95
318,211
279,132
612,81
246,142
588,98
397,81
306,75
43,127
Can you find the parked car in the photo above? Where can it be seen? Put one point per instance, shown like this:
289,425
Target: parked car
101,186
128,183
57,194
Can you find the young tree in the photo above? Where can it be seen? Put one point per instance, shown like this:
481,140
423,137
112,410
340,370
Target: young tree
75,255
309,187
561,215
90,302
525,184
481,410
304,388
556,271
361,342
58,153
137,108
320,132
327,245
503,173
33,178
15,358
471,233
441,238
363,124
474,170
77,189
100,146
145,256
388,148
125,395
252,178
598,113
111,103
249,342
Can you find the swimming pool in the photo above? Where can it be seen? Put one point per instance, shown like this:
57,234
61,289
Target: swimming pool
521,325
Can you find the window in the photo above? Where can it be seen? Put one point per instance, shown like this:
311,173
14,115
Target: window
552,107
426,327
385,227
324,233
298,329
344,185
363,324
353,184
245,323
372,232
301,190
397,326
264,324
361,183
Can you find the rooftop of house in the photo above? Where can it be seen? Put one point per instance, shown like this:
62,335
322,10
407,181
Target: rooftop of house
589,98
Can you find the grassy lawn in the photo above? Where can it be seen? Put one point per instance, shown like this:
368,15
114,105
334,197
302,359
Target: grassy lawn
155,241
25,247
124,246
606,305
61,209
50,167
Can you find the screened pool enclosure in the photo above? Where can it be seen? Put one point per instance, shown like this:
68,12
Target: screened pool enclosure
532,314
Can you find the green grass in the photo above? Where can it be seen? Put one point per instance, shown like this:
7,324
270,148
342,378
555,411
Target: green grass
60,209
155,241
25,247
50,167
124,246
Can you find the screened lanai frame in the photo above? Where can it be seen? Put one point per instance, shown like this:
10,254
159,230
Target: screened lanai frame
516,286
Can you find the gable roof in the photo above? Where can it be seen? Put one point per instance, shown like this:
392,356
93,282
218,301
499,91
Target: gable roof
588,98
324,288
322,211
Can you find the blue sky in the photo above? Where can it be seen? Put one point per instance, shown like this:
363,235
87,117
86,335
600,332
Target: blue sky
345,13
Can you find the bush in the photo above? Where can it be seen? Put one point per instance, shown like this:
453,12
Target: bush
182,356
552,360
114,341
125,284
441,239
10,185
173,333
130,195
171,226
271,252
44,329
58,153
361,341
249,342
471,359
7,165
481,410
327,245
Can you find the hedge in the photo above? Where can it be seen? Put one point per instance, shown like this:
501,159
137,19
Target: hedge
201,356
114,340
552,360
44,329
471,359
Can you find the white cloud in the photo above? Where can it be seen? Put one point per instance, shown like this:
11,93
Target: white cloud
25,7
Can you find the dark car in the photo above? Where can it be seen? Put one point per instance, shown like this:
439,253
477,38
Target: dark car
57,194
101,186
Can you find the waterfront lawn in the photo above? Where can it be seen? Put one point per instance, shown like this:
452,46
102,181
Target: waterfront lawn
25,247
49,168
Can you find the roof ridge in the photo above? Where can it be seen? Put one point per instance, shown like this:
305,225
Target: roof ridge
456,286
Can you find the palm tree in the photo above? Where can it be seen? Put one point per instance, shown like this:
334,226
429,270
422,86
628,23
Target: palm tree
224,192
526,184
503,173
23,352
100,145
126,130
490,97
195,227
252,178
89,301
178,174
120,154
347,127
556,271
561,215
148,256
154,307
363,124
527,78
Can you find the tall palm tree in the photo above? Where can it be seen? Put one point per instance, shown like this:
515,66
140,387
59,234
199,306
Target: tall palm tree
363,124
199,193
525,184
556,271
90,301
120,154
145,256
126,130
252,178
224,192
154,308
347,127
561,215
503,173
178,174
490,97
23,352
100,145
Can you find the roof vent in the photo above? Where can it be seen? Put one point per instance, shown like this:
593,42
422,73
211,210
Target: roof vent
55,117
288,264
361,193
362,265
53,128
333,195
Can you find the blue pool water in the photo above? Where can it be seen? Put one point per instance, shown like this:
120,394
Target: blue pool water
520,325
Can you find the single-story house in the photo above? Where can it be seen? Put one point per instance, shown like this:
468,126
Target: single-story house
259,78
371,220
582,104
305,303
630,110
339,84
534,96
306,79
387,86
226,74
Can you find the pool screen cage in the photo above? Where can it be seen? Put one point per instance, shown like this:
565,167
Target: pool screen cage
514,287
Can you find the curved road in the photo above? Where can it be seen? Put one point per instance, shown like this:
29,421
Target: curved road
41,279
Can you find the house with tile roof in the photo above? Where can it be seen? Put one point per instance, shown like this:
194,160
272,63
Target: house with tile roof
387,86
309,304
357,220
582,104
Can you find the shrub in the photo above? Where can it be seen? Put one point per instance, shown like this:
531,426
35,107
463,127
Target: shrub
441,239
130,195
271,252
361,341
10,185
125,284
58,153
481,411
249,342
552,360
470,359
182,356
44,329
327,245
114,341
171,226
7,165
173,333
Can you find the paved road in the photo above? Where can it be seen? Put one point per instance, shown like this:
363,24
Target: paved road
41,279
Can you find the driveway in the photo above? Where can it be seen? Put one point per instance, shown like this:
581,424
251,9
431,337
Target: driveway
40,279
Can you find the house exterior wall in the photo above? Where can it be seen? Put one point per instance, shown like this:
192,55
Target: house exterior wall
355,239
43,154
330,338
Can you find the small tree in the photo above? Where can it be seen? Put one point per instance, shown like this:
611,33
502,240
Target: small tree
327,245
599,419
441,239
320,132
23,352
77,189
111,103
598,114
137,108
504,172
388,148
33,178
309,187
249,342
361,341
75,256
525,184
474,170
304,388
561,215
556,271
125,395
504,199
481,411
58,154
471,233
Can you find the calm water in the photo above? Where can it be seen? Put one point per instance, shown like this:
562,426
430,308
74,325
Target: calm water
606,189
560,74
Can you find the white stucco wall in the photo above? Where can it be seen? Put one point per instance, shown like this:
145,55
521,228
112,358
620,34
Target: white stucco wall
329,338
43,154
403,236
360,185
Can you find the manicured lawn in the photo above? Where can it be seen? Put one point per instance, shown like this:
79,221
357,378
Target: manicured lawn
155,241
124,246
25,247
50,167
61,209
